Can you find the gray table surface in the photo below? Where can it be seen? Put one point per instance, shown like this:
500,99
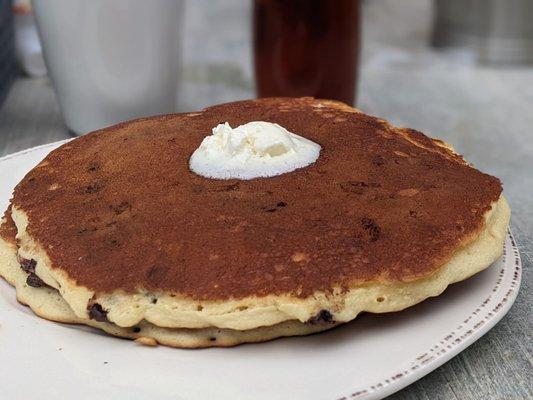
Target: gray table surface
486,113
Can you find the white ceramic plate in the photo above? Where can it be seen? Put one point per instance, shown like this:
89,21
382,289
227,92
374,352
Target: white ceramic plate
369,358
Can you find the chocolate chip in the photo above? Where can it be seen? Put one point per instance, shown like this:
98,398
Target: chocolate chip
212,339
82,230
157,273
378,161
93,188
93,167
97,313
28,265
32,183
136,329
112,242
34,281
120,208
323,316
371,228
270,208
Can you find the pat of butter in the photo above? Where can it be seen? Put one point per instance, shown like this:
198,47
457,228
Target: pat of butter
253,150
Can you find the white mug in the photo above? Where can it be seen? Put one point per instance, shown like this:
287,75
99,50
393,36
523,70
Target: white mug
111,60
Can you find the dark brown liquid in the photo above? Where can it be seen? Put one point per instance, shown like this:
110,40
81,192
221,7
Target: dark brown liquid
307,48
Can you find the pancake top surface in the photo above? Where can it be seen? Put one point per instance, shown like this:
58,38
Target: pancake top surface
119,208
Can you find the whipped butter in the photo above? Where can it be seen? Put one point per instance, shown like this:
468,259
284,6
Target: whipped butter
253,150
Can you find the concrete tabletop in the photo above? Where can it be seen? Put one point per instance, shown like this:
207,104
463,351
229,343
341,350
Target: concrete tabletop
486,113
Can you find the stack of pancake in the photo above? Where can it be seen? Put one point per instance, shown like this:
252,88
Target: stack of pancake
114,231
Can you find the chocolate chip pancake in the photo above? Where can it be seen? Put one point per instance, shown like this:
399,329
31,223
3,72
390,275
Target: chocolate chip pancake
386,217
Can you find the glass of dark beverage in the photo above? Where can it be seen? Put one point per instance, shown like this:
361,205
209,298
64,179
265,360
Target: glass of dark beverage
307,48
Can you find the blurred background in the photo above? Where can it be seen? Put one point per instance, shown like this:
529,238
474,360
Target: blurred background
460,70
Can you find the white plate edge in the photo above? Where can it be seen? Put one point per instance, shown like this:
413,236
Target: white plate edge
422,365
